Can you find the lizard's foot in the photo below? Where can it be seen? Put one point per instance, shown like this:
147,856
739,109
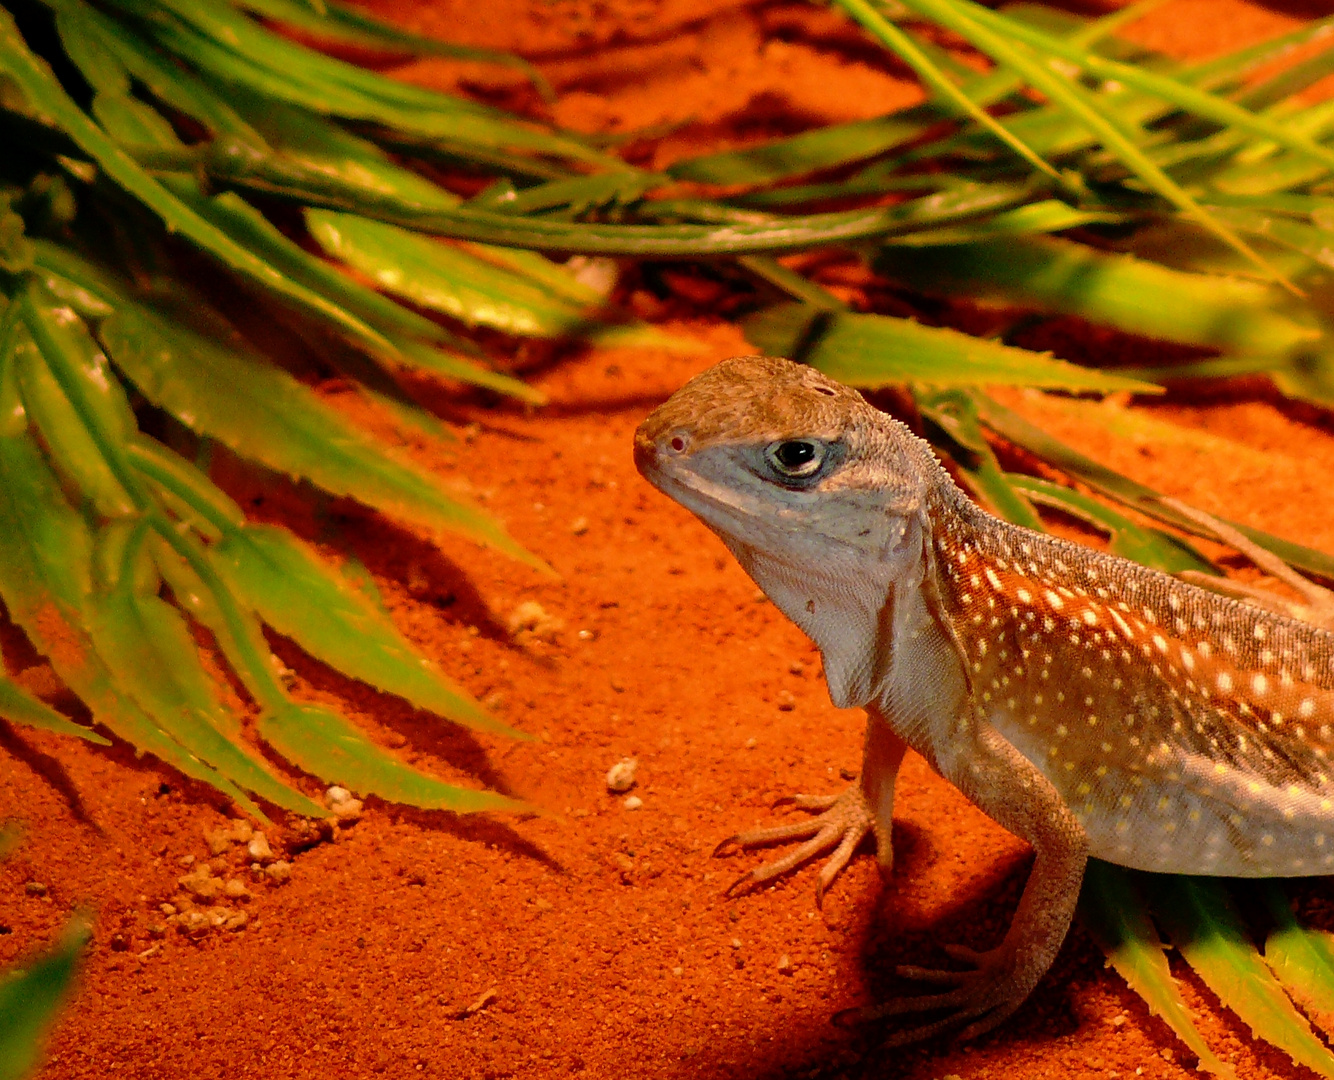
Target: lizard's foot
845,821
980,1000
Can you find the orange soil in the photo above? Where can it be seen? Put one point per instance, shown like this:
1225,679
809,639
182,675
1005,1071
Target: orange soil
602,934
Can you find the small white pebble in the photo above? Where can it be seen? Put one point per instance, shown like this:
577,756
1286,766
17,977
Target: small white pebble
579,526
677,971
634,802
751,743
736,943
348,811
337,794
258,849
785,964
621,776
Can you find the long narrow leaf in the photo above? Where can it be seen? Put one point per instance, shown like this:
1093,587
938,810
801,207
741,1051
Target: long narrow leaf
966,19
1203,925
39,85
45,577
148,644
1132,294
1151,547
1014,428
875,350
306,600
463,286
1116,917
19,706
282,424
29,999
1302,959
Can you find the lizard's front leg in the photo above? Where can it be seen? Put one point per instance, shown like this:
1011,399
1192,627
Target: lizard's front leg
1013,792
846,818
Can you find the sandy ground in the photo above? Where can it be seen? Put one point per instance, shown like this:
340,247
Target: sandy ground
597,940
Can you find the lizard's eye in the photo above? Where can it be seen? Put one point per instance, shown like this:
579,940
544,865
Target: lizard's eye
797,458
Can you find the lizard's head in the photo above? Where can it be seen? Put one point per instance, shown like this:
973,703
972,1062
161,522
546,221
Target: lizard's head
774,454
821,498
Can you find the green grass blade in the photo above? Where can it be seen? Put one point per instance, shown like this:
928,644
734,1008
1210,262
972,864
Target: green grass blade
148,644
284,177
101,68
73,451
956,415
876,350
326,745
1014,428
840,144
29,998
348,161
305,599
38,84
1135,295
1118,920
577,194
449,280
20,707
1204,926
369,319
912,54
1046,216
1181,94
976,25
45,579
165,79
314,739
271,418
1301,959
230,49
811,151
1151,547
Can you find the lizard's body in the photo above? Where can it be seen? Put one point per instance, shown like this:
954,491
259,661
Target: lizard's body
1089,705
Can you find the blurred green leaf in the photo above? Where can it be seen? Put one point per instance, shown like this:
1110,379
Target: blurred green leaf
303,598
1204,926
449,280
20,707
876,350
956,415
1301,959
1150,547
29,998
323,743
271,418
1115,915
1014,428
1134,295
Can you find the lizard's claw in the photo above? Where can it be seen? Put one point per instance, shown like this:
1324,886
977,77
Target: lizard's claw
980,1000
844,822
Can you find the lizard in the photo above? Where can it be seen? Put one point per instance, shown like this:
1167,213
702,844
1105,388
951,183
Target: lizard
1087,704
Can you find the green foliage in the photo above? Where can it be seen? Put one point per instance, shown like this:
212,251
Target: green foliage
1081,176
29,998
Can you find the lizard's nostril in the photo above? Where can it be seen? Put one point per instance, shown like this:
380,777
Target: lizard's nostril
678,443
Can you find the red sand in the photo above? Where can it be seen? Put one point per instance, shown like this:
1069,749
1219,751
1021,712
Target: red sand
603,934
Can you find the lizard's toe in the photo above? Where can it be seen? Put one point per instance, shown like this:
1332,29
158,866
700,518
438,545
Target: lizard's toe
980,998
843,824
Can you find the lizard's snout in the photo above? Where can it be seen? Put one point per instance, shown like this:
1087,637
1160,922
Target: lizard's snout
655,442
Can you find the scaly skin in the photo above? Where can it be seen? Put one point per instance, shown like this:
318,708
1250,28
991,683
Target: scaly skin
1085,703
